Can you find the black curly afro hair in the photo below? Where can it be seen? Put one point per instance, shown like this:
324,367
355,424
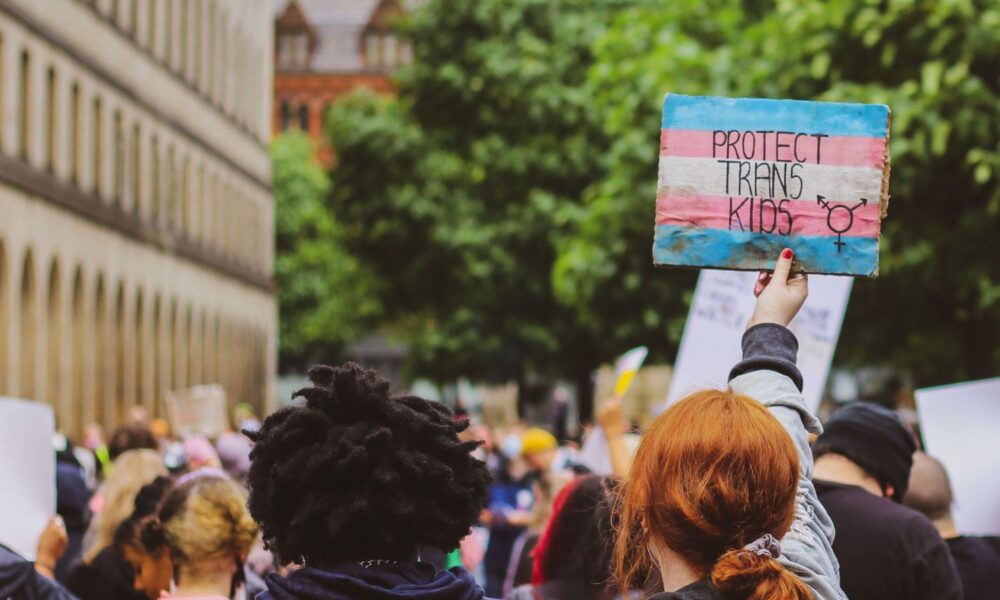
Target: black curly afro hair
356,474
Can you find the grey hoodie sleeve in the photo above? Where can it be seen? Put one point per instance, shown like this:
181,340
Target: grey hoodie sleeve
768,374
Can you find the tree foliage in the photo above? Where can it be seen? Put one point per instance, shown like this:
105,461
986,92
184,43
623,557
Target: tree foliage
504,201
935,309
453,193
325,299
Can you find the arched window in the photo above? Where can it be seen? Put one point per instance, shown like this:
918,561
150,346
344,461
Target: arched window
284,115
54,328
50,120
304,118
29,329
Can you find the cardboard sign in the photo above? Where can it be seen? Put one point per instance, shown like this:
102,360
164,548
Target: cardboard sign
723,303
741,179
960,424
28,473
200,410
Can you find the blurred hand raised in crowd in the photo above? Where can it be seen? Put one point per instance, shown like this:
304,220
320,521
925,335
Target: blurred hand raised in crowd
611,418
779,294
51,546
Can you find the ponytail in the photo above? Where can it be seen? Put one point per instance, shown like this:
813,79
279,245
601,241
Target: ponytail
745,575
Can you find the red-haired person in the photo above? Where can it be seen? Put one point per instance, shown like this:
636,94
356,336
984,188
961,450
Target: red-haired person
718,502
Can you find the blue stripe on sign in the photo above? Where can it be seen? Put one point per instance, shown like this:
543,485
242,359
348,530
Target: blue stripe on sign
693,247
753,114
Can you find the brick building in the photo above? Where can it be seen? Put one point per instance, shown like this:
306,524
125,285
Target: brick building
324,49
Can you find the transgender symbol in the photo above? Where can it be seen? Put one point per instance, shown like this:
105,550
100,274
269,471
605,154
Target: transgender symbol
849,219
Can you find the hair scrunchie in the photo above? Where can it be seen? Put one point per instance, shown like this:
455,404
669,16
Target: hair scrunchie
765,545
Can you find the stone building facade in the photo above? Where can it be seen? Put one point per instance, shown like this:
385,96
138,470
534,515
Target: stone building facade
136,243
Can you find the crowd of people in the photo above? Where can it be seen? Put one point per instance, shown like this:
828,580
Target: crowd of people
353,493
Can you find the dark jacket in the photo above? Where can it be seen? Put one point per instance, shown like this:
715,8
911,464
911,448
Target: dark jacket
20,581
887,551
351,581
699,590
72,498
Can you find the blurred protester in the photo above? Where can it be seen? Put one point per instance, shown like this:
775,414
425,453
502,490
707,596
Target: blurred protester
886,550
200,453
160,429
153,569
94,455
559,413
245,418
508,513
977,558
573,555
233,449
130,437
722,476
355,483
544,492
22,580
198,531
138,416
104,572
72,499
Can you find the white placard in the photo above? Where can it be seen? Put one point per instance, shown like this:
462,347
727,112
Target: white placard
27,473
200,410
961,428
722,304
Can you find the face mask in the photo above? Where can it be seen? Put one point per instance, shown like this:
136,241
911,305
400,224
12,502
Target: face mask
511,446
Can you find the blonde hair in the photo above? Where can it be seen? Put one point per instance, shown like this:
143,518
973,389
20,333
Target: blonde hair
206,521
130,471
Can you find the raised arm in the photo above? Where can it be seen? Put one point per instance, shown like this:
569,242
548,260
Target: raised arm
768,374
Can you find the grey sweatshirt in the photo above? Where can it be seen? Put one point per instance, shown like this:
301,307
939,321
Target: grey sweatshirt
768,374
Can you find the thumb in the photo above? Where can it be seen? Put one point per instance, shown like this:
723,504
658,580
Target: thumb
782,267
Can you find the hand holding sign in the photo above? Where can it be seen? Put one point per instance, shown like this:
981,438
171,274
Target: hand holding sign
740,179
780,295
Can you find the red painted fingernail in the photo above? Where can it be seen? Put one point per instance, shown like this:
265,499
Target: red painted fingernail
786,253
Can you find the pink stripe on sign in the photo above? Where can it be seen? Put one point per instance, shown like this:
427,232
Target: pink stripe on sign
807,218
844,151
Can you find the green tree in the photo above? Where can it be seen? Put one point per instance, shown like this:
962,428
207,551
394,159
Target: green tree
325,299
455,192
935,308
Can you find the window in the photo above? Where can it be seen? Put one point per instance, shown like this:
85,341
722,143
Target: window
285,115
390,51
373,51
74,134
136,164
97,135
154,179
118,158
151,27
304,118
50,119
25,112
168,35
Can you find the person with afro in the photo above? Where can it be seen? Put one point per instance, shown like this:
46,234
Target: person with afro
353,486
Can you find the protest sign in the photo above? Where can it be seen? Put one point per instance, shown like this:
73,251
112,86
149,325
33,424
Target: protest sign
959,425
28,473
200,410
626,367
741,179
723,303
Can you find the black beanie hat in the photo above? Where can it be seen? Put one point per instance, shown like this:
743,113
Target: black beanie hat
875,438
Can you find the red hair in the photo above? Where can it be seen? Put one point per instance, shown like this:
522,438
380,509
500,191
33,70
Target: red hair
715,472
